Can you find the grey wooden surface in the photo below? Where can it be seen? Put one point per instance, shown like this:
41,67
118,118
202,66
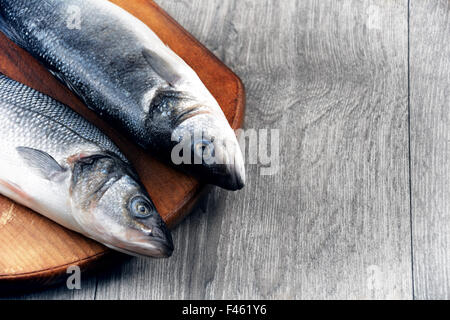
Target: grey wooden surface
359,208
430,147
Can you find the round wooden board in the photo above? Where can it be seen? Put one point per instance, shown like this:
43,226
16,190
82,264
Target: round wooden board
36,251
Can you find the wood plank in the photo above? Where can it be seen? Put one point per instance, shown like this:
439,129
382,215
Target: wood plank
430,147
334,221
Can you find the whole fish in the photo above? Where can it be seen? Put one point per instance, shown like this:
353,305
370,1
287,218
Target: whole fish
55,162
126,74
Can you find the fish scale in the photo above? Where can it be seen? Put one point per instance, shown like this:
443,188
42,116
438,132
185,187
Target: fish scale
47,118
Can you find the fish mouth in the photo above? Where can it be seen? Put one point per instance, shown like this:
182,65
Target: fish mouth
165,249
229,176
159,244
233,180
239,180
156,248
234,174
239,173
162,241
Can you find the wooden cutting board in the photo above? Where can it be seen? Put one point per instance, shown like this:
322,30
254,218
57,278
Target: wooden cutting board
36,251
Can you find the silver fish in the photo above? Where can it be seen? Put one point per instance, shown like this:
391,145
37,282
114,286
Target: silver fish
55,162
126,74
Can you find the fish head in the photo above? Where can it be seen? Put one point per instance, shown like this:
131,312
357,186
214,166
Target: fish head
213,152
114,208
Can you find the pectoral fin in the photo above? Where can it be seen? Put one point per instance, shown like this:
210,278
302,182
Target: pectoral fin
42,162
162,67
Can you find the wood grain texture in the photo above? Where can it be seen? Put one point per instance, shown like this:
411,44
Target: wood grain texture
35,251
430,146
334,222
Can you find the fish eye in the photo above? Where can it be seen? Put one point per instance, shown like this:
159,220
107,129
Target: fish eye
204,149
141,207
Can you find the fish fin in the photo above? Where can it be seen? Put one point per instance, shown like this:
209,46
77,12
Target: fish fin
58,75
161,67
61,78
11,33
44,163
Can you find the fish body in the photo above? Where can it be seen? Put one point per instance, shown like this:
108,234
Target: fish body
58,164
127,75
